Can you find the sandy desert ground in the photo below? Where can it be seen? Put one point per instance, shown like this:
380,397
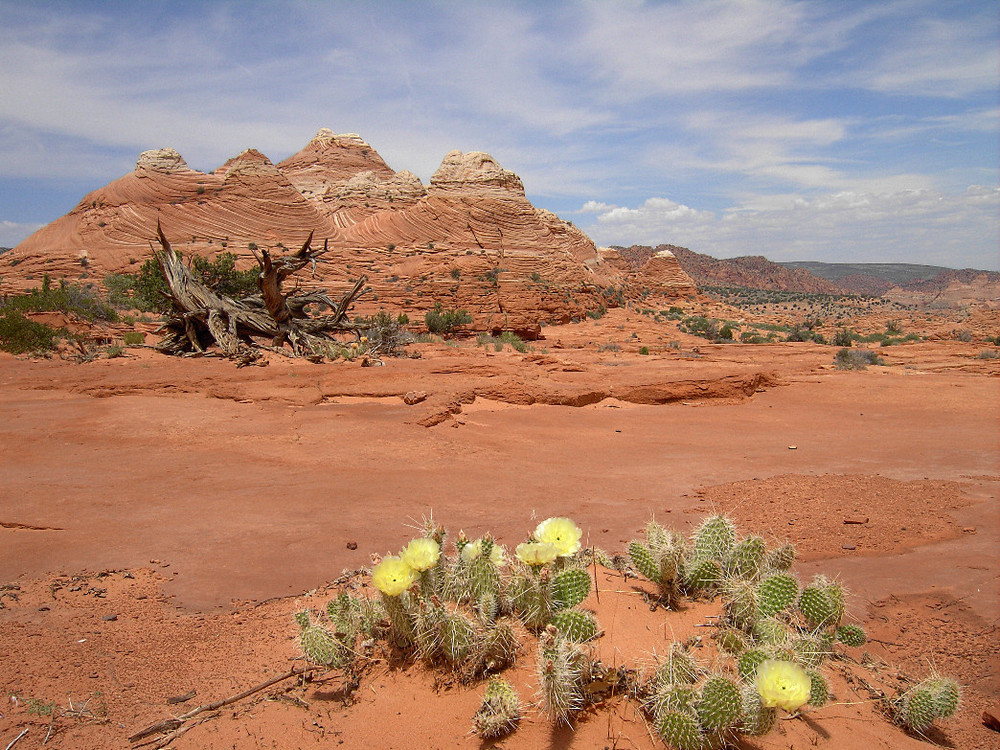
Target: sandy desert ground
162,518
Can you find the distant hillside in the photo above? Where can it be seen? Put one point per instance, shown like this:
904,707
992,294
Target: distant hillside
753,272
879,278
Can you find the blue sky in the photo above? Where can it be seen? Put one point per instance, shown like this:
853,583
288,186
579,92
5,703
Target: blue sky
836,131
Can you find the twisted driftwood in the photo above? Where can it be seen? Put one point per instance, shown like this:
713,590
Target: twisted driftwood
201,317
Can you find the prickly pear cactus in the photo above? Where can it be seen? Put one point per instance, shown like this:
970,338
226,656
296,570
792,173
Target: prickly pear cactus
569,588
720,705
852,635
679,729
643,561
500,711
321,647
947,696
302,618
758,719
702,576
677,668
817,606
747,558
749,661
809,650
576,625
740,609
714,539
775,593
458,637
781,558
731,640
559,677
819,690
771,632
917,709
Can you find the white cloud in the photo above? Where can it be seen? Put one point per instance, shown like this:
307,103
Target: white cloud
595,207
11,232
920,226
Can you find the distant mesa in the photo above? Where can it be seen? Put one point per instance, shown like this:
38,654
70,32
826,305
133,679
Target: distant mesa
470,239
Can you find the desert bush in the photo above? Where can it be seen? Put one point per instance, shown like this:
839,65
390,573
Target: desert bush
19,335
843,337
988,354
609,347
498,342
726,333
385,334
856,359
963,334
597,314
644,350
67,297
133,338
699,325
147,289
441,321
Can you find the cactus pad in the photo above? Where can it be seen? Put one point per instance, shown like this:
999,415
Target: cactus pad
749,661
720,705
321,647
747,558
852,635
817,606
678,668
643,561
714,539
776,593
569,588
819,690
702,576
758,719
781,558
576,625
918,708
680,730
500,711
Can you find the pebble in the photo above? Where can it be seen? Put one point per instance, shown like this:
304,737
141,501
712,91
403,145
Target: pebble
969,530
857,520
352,545
848,546
109,618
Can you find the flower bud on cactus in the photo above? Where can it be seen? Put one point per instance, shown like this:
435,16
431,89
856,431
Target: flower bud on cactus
679,730
714,539
758,719
852,635
500,711
321,647
776,593
569,588
747,558
819,690
576,625
720,705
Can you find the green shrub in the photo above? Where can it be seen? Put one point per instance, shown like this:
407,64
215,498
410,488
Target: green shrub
987,354
597,314
19,335
385,334
726,333
843,337
644,350
67,297
147,289
443,321
134,338
856,359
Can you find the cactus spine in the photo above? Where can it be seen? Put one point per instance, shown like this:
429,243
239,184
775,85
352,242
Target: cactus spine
569,588
680,730
776,593
576,625
559,676
720,705
852,635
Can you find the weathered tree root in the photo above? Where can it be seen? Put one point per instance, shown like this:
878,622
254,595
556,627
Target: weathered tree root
202,318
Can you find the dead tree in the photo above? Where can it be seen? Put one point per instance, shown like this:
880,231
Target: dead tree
202,317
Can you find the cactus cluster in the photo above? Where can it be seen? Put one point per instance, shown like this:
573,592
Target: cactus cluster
468,609
934,698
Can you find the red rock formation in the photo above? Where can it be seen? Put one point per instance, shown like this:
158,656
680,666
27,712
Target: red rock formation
470,240
754,272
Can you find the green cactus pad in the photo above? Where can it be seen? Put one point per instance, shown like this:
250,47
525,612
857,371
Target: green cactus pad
484,578
740,608
459,637
747,558
918,708
714,539
643,561
852,635
667,696
749,661
720,705
321,647
758,720
817,606
776,593
569,588
677,668
500,711
680,730
576,625
559,678
781,558
302,618
771,632
947,696
487,608
819,690
702,575
731,640
809,650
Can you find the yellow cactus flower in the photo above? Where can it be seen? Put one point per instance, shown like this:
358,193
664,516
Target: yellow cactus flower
562,533
392,576
421,554
782,684
473,550
536,553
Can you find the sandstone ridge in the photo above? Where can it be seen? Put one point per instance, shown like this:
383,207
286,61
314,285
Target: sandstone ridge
470,239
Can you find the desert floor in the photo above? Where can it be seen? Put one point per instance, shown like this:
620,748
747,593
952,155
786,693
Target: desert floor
162,518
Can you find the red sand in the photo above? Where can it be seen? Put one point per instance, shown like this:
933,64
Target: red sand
212,484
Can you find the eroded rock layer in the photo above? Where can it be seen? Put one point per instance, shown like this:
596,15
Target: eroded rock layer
471,239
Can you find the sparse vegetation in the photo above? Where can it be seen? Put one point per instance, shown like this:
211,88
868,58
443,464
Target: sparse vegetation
498,342
20,335
444,322
66,297
856,359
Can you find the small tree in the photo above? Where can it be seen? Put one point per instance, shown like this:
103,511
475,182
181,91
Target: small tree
443,322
